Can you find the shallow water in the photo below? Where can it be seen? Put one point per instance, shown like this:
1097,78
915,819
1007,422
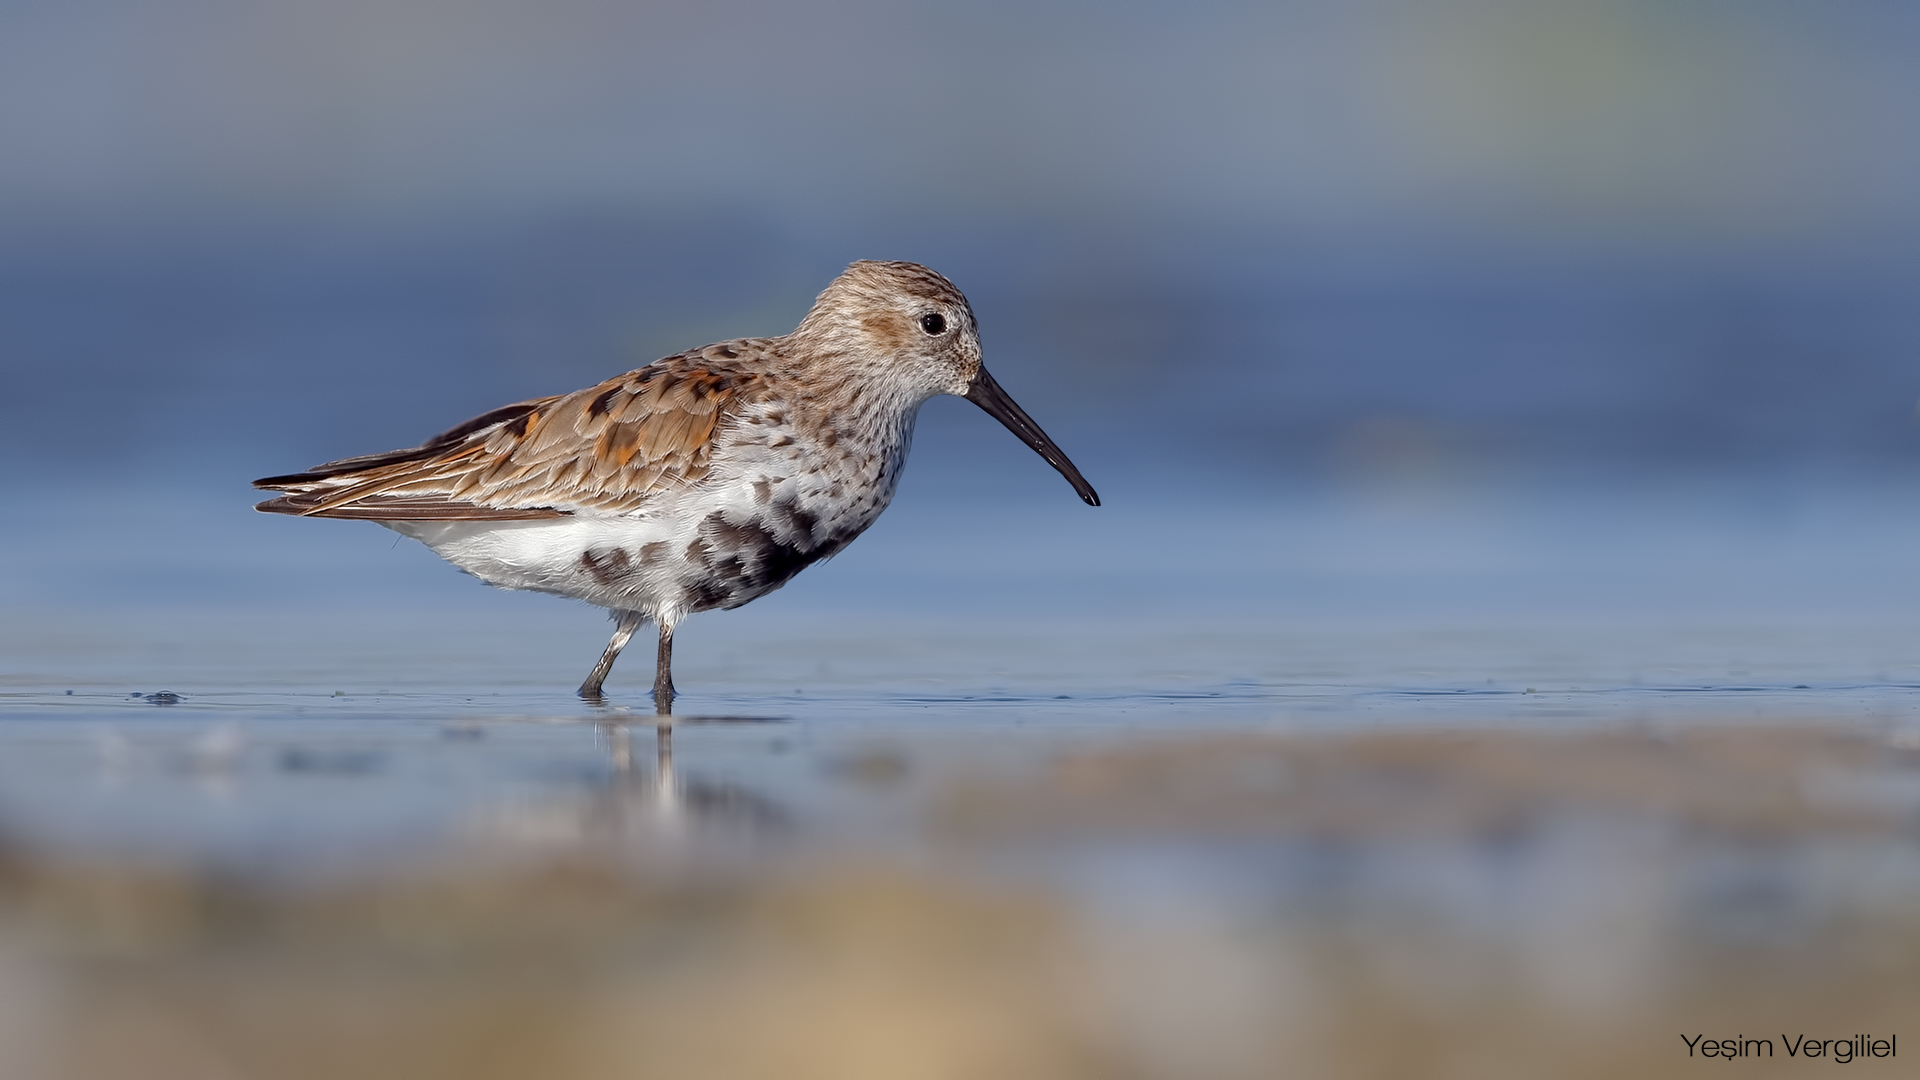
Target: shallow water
1367,790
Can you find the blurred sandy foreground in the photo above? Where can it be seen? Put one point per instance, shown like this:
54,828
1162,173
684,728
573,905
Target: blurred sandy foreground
1470,903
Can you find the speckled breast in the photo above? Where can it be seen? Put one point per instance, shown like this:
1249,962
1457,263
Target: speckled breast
777,504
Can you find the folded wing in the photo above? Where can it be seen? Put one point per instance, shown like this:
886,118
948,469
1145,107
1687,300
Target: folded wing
608,447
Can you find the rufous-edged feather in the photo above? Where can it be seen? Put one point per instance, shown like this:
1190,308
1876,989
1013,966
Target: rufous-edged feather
607,447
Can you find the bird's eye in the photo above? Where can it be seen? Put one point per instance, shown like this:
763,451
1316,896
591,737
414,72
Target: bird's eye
933,323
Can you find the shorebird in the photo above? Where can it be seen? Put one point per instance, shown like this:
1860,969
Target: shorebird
700,481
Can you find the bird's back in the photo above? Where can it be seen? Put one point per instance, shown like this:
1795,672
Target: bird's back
609,447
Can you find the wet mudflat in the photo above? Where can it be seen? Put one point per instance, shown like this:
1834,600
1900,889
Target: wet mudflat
1291,858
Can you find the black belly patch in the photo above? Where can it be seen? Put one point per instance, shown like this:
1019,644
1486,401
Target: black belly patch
608,566
739,561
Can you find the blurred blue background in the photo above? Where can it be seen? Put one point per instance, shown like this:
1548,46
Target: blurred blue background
1445,260
1503,365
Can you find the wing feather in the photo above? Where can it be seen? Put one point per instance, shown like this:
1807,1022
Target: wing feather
607,447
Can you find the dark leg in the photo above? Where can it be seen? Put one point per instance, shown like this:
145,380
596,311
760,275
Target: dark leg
626,623
663,673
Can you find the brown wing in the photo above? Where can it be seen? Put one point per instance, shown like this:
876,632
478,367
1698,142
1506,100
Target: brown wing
608,447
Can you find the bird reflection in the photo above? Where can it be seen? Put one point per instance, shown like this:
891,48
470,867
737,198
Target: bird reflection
655,807
630,787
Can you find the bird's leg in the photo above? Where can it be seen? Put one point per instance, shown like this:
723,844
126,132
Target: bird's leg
624,626
663,672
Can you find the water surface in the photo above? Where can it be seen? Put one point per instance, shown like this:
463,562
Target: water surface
1520,788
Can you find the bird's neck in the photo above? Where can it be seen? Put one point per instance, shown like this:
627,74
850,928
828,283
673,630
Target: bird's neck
862,398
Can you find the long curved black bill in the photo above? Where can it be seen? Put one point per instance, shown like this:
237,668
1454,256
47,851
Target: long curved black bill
987,394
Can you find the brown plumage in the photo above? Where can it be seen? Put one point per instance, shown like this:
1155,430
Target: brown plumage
607,447
701,481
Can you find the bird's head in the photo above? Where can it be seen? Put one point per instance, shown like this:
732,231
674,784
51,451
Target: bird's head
906,329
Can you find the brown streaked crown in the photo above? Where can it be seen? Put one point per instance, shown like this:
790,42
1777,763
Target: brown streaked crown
869,321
